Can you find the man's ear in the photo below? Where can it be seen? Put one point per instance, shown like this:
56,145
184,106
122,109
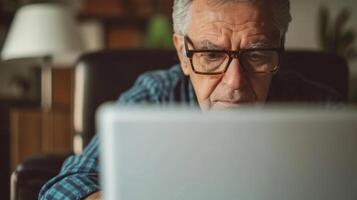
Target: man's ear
179,45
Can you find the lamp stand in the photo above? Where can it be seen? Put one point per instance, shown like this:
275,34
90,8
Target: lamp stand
46,84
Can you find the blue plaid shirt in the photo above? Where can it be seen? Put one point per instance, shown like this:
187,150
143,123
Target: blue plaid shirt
79,175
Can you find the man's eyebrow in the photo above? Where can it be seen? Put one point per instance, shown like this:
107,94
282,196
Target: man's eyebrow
259,44
208,45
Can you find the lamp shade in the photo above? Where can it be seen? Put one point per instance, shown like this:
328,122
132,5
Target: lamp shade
39,30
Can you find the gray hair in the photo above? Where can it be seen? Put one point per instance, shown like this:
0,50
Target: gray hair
181,14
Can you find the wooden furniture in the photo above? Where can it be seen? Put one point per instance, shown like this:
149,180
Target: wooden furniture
35,132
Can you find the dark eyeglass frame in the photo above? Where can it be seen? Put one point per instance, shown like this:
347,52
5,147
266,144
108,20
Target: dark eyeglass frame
232,54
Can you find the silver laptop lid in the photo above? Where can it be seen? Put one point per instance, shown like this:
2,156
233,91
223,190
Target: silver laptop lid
250,154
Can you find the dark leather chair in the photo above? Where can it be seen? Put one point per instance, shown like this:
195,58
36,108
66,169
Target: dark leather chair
102,76
106,74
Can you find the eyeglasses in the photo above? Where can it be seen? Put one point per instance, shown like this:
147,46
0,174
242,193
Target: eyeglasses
215,62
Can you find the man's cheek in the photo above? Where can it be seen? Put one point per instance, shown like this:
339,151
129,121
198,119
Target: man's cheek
207,86
202,96
204,87
261,85
203,92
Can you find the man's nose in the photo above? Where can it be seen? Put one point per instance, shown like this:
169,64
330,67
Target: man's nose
234,76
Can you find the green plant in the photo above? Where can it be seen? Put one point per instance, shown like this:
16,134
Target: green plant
159,33
334,36
159,30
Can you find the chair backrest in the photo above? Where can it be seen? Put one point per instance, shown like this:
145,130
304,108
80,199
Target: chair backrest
326,68
104,75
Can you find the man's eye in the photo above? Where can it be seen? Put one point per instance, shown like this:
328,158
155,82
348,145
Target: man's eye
213,56
256,56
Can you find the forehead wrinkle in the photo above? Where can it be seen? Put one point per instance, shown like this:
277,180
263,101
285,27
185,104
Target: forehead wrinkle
223,27
210,28
210,32
217,14
229,34
207,44
211,17
259,34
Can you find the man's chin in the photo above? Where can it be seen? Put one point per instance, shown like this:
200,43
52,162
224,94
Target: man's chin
223,105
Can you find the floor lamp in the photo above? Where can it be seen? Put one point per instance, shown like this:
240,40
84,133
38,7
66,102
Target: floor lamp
45,32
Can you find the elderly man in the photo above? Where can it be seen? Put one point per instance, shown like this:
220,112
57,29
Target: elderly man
229,51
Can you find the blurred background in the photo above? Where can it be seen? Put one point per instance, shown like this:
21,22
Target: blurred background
321,25
326,25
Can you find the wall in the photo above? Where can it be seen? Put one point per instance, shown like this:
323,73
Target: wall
303,29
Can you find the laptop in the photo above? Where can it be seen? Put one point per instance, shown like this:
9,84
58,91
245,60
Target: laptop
252,153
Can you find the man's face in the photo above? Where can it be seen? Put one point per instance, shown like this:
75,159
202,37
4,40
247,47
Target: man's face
229,26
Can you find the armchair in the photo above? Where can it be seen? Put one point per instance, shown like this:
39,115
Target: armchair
103,75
